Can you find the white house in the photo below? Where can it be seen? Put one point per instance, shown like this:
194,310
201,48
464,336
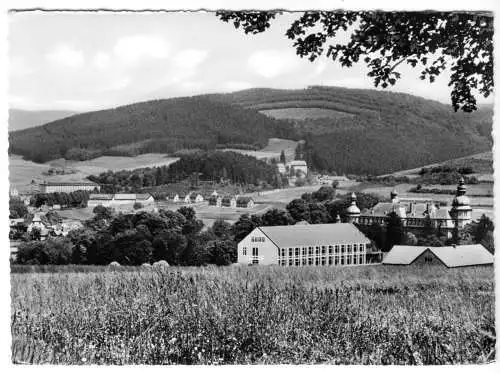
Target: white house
196,198
281,168
297,167
215,201
245,202
100,200
228,201
304,245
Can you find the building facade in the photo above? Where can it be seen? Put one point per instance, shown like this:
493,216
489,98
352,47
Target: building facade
67,187
305,245
416,213
120,199
297,167
245,202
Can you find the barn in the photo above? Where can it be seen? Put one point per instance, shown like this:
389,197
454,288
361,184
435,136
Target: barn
305,245
448,256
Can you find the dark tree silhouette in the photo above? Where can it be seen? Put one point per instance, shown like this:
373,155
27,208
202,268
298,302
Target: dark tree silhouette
460,41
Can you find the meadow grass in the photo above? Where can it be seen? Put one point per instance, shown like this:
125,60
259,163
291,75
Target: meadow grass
253,315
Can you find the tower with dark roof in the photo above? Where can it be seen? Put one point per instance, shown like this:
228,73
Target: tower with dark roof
461,211
353,211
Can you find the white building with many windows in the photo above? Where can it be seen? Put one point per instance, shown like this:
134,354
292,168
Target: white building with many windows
305,245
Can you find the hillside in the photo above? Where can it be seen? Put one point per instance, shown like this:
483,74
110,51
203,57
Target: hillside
163,126
368,131
356,131
22,119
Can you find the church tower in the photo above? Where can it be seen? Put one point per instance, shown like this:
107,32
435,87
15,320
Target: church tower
461,211
353,212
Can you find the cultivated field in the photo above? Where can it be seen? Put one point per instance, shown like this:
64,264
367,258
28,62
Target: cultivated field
304,113
272,150
253,315
22,171
482,163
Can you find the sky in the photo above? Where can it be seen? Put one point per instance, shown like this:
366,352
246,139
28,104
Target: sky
88,61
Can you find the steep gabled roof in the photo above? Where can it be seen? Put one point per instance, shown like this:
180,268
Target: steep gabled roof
402,254
314,234
463,255
125,196
451,256
104,197
142,196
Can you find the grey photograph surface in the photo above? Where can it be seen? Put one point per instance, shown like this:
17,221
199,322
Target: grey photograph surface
251,187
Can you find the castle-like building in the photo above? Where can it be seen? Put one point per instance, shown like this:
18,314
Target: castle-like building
415,212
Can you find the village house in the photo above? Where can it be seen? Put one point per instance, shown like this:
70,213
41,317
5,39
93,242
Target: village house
174,198
100,200
281,168
196,198
415,213
37,223
297,168
184,198
245,202
228,201
339,244
448,256
215,201
67,187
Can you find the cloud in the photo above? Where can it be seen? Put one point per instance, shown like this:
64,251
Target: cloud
118,84
133,49
18,67
66,56
272,63
101,60
190,58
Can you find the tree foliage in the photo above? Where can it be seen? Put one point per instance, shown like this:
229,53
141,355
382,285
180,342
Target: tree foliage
460,41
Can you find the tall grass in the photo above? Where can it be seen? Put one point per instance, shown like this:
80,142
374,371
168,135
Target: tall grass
255,315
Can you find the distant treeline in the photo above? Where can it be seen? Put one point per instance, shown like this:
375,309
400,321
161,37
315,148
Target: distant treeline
213,166
78,198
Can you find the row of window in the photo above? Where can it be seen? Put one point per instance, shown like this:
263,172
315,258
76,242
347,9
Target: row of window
323,261
312,251
258,239
323,250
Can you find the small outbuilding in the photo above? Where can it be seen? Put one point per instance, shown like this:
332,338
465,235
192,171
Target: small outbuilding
448,256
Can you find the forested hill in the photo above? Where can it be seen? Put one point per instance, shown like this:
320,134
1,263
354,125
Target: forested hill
358,131
22,119
370,131
153,126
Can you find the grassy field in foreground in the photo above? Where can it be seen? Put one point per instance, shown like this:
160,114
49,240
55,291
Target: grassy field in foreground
254,315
